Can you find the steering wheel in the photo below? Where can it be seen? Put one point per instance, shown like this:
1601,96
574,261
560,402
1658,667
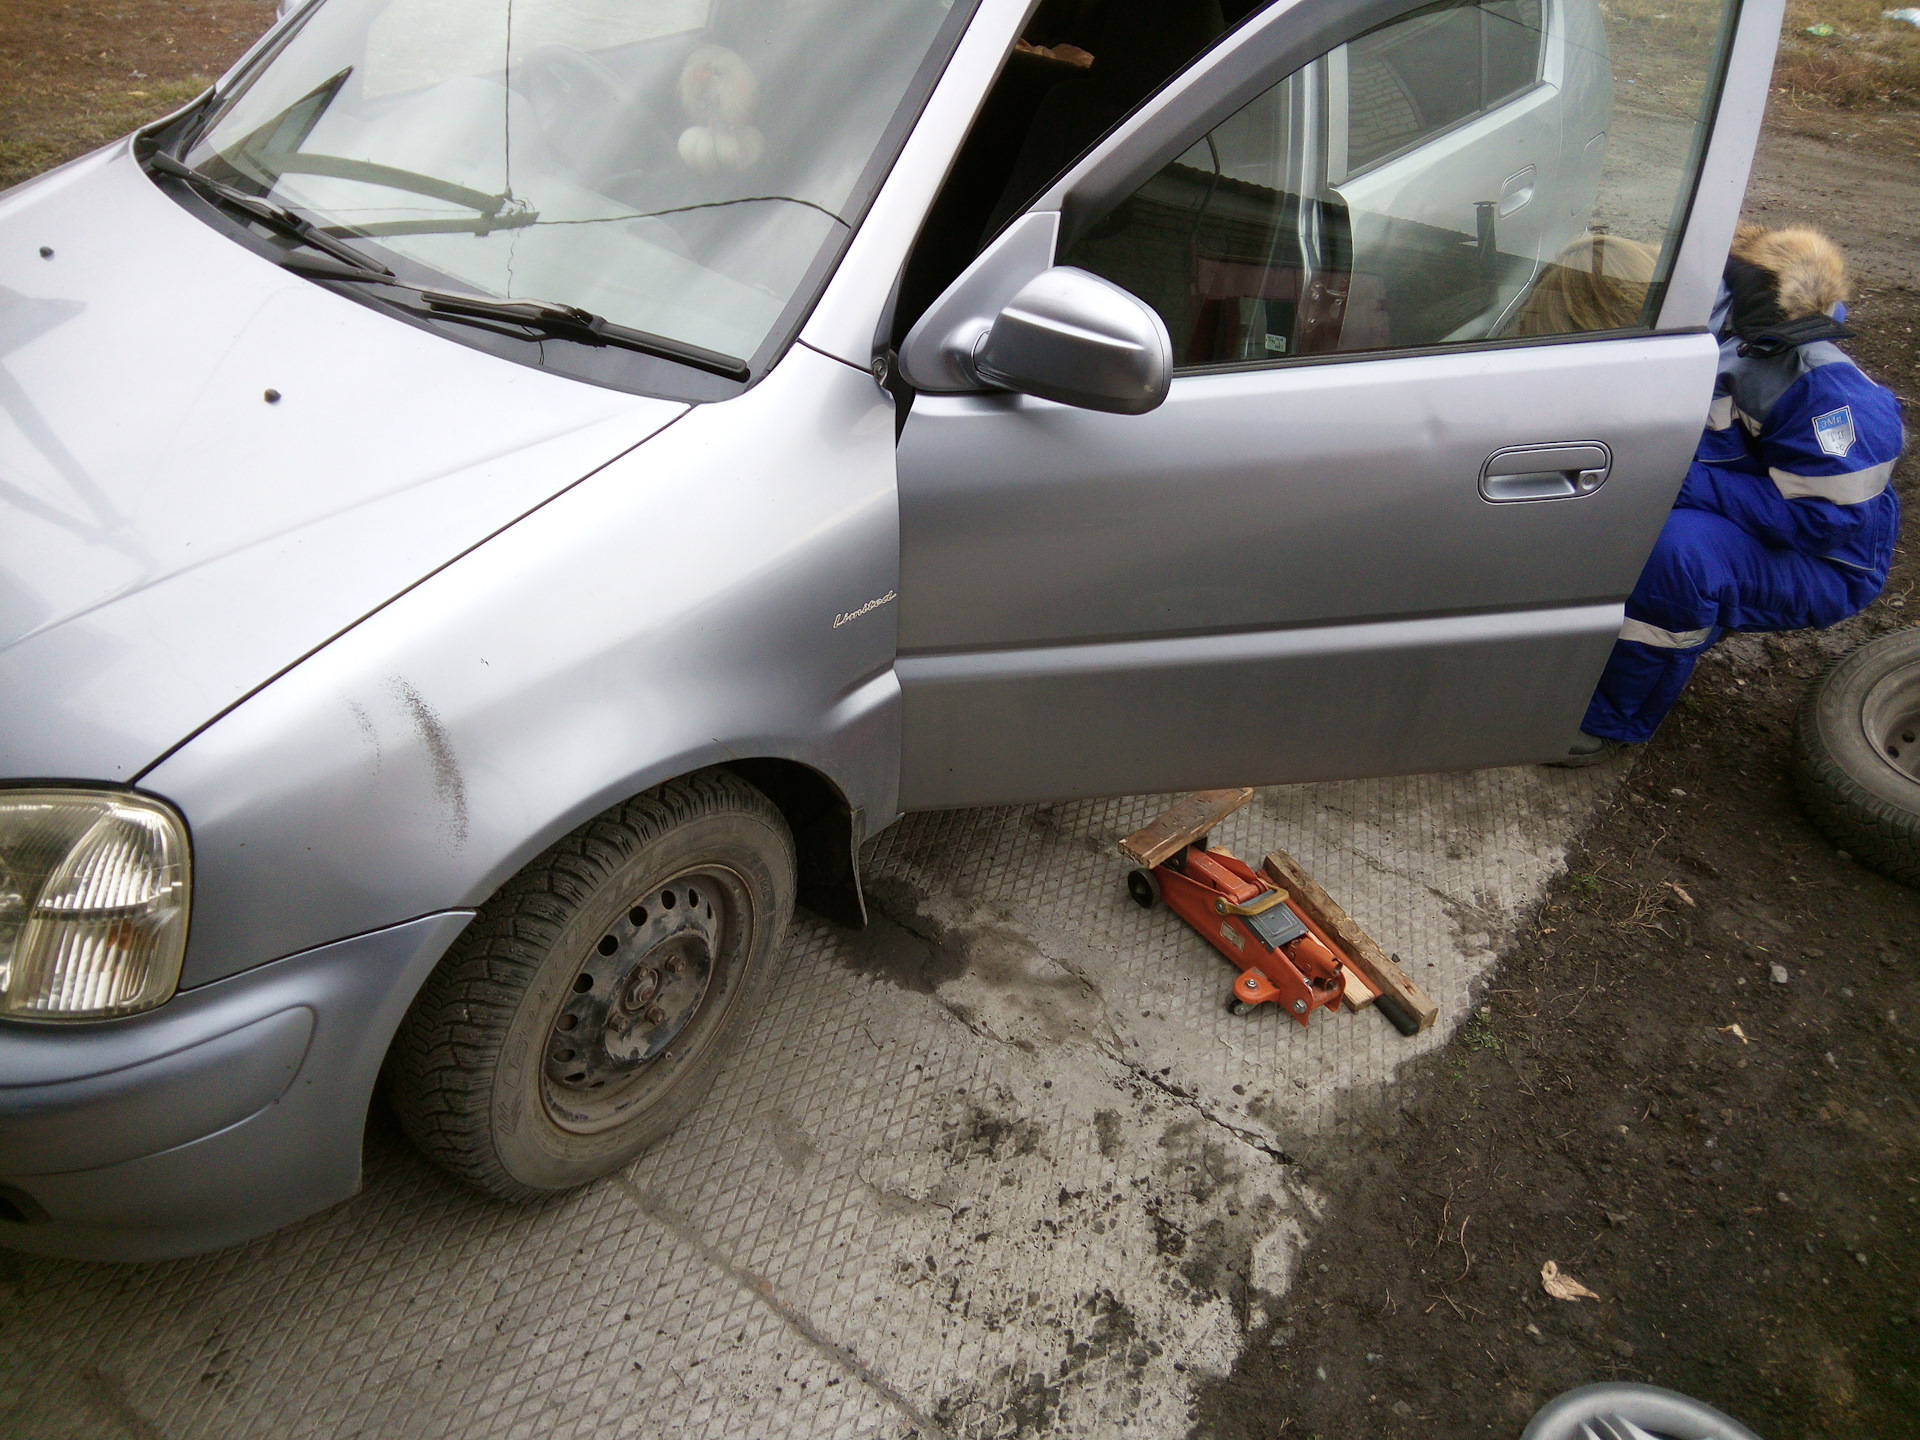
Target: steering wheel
592,125
568,88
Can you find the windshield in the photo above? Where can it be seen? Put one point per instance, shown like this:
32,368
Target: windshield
674,166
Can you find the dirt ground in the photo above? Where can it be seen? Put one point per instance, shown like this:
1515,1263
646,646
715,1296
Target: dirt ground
1744,1202
75,75
1748,1210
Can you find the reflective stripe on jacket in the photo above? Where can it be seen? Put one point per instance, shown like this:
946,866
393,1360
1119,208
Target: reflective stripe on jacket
1799,451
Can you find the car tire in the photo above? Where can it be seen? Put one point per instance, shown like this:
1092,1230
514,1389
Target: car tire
589,1006
1857,756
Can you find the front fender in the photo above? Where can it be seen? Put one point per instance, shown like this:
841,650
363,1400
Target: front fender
722,593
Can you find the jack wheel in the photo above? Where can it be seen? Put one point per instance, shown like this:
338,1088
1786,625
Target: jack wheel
1241,1007
1144,887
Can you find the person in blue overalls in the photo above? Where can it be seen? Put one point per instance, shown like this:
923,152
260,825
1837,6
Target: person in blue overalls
1787,519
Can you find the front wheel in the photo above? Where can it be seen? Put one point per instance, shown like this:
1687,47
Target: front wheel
587,1009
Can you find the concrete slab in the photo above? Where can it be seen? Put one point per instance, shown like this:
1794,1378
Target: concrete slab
1002,1165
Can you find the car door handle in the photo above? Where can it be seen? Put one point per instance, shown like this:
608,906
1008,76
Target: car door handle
1517,192
1545,472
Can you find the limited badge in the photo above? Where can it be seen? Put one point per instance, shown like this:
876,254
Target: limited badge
1834,430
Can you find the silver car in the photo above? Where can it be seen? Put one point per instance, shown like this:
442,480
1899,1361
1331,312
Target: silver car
501,501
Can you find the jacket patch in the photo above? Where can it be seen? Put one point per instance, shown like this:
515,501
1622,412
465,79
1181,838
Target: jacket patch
1834,430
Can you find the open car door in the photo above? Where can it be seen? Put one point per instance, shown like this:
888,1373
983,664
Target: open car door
1387,516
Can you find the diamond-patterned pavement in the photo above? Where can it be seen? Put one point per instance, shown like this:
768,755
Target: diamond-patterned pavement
1002,1164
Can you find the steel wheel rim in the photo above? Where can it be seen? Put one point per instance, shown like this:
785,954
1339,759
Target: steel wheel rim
1891,718
646,1000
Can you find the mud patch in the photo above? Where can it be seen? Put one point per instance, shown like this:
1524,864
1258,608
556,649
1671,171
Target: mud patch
992,1134
1482,924
1200,1159
1023,1400
990,974
891,953
1050,820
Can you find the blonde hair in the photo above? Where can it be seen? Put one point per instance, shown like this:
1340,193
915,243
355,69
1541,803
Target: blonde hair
1599,282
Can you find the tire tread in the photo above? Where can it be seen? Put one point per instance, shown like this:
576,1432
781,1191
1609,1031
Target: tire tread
440,1070
1882,834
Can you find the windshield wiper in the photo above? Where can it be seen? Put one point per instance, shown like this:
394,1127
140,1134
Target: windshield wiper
567,321
367,172
274,217
573,323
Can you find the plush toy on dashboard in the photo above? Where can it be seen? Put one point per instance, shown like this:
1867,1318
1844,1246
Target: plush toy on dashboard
718,91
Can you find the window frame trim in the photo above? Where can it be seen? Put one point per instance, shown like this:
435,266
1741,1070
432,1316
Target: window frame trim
1413,352
1265,49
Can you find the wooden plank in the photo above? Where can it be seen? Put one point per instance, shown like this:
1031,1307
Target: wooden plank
1182,824
1373,962
1360,992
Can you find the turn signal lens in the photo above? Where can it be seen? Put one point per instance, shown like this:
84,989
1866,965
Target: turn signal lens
94,889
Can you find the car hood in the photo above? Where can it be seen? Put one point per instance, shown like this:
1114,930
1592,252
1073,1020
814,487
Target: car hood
209,466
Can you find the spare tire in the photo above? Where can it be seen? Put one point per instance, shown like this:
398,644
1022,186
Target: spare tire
1857,754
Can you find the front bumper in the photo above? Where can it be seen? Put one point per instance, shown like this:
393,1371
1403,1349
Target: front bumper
233,1109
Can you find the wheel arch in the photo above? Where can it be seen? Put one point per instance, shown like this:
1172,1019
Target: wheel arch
826,829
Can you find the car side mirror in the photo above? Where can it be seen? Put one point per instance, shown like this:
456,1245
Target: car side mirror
1015,321
1072,337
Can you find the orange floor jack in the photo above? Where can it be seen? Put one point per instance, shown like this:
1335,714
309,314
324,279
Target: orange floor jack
1276,925
1281,955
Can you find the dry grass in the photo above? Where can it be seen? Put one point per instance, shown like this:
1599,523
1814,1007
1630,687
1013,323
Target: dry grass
107,115
1868,63
75,74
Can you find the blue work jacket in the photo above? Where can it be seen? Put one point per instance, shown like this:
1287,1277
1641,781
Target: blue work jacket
1799,452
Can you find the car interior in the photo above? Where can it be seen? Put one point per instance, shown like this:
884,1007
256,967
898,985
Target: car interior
1273,238
1083,65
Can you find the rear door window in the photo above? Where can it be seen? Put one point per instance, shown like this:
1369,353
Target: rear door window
1407,82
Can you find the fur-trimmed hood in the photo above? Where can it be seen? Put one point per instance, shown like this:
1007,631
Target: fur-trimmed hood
1808,271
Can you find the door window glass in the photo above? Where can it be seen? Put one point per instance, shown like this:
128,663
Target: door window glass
1470,171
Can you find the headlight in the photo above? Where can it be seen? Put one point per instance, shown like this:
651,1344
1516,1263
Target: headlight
94,886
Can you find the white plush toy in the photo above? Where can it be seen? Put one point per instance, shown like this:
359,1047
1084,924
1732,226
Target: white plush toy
718,92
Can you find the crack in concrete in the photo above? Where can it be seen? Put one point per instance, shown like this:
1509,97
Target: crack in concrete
1252,1138
1110,1049
761,1289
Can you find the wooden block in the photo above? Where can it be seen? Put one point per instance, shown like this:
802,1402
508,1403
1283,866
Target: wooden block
1360,992
1182,824
1368,958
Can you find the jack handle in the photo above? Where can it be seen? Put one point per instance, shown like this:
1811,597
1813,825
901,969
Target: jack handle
1266,902
1396,1013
